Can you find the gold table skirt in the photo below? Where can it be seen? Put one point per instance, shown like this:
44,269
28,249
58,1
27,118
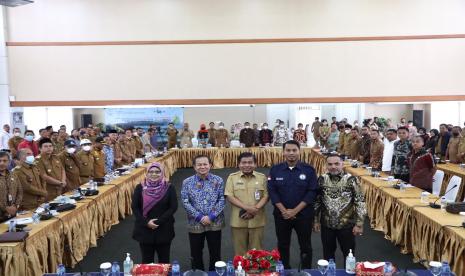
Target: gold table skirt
413,226
416,229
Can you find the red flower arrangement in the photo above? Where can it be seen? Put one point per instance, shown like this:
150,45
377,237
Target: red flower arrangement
258,260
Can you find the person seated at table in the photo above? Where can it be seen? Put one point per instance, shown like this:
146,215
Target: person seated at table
202,135
421,164
265,136
221,136
11,192
51,169
33,185
247,135
376,150
153,203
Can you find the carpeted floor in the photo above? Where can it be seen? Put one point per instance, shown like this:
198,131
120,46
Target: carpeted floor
112,247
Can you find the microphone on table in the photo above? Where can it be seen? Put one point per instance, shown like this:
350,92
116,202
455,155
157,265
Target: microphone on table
437,206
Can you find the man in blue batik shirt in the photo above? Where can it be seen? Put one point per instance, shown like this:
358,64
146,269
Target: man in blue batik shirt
203,198
292,186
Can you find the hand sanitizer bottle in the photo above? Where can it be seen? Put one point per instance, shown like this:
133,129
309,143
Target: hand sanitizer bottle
128,265
350,263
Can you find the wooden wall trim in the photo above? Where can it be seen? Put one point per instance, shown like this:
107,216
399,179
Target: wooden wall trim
236,41
243,101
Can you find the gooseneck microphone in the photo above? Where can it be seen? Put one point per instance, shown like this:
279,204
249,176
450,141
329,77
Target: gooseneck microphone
437,206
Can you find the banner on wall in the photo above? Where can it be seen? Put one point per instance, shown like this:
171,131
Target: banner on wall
122,118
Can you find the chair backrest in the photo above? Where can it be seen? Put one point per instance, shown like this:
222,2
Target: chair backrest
452,195
437,182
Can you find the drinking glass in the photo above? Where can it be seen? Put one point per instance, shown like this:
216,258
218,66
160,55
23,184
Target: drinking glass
220,267
323,266
435,268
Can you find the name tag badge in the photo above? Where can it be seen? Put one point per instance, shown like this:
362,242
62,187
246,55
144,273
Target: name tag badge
279,178
10,198
257,195
302,177
49,170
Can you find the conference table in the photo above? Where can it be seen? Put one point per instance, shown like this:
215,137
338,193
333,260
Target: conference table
416,228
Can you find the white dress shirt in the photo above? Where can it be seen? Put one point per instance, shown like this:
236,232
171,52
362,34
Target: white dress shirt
387,154
4,138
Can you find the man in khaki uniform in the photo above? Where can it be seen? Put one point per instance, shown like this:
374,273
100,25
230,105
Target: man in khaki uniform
172,134
221,136
58,143
452,152
211,133
33,185
99,158
376,150
347,137
86,161
461,150
51,169
138,142
128,148
316,130
14,142
247,192
353,145
71,164
11,192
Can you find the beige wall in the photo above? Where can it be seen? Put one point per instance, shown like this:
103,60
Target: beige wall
218,71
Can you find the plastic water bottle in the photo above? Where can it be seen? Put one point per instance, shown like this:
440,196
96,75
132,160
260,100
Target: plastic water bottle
280,268
175,269
331,268
230,269
445,271
240,271
350,263
127,265
61,270
115,270
12,226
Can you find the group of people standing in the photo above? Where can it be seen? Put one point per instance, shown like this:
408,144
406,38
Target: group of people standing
39,170
302,202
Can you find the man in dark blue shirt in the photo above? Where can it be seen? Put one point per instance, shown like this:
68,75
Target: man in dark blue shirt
292,186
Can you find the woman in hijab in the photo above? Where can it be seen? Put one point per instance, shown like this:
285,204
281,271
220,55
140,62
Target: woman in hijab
154,203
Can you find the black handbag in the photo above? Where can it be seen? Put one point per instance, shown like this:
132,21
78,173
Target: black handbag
455,207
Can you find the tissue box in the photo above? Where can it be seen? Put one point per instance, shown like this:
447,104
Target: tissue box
361,270
151,269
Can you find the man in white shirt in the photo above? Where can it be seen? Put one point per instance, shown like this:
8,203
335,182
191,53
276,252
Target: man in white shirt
389,140
5,136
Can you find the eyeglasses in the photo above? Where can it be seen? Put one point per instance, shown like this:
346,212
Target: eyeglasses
154,172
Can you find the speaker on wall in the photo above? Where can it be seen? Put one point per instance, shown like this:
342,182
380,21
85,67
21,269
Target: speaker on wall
86,120
418,118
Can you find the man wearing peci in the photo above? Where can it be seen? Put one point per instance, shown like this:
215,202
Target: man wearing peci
293,186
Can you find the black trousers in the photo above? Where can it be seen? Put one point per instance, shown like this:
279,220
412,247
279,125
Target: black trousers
197,242
344,237
403,177
303,229
148,253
